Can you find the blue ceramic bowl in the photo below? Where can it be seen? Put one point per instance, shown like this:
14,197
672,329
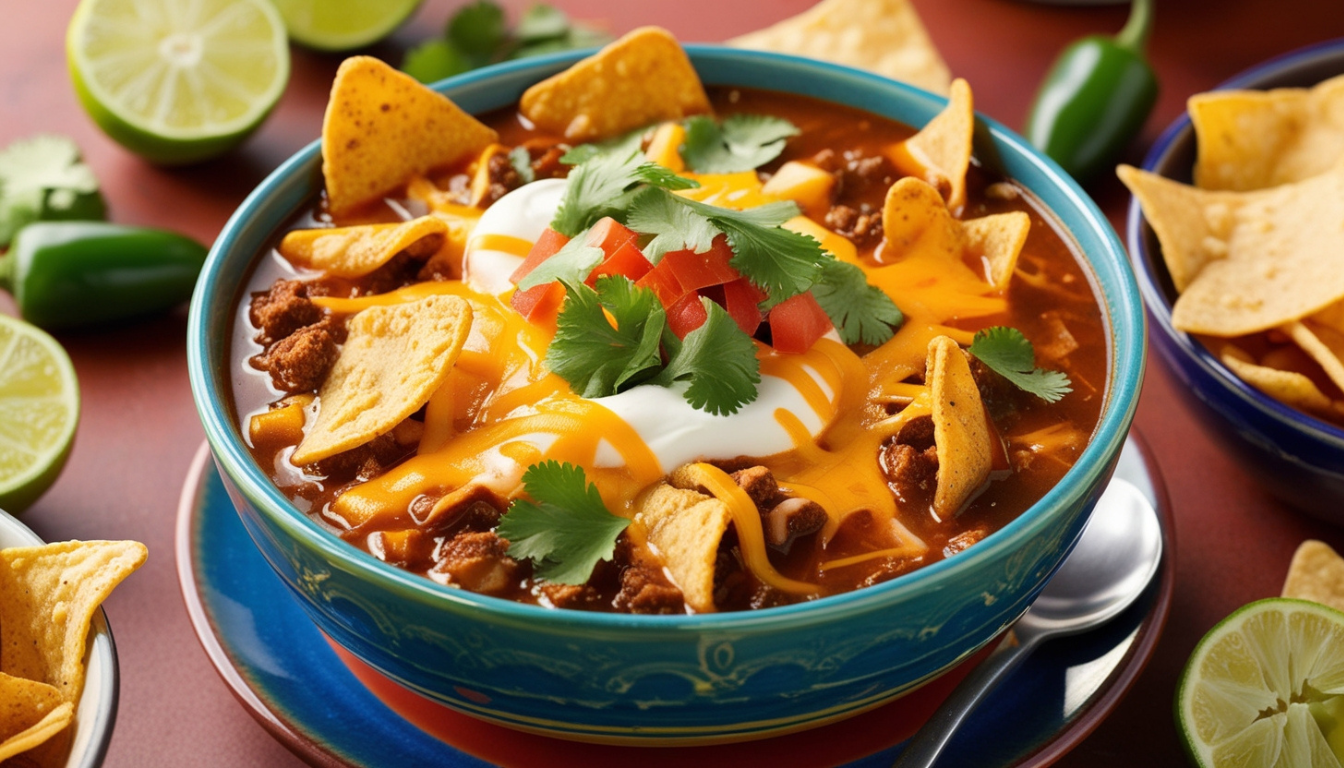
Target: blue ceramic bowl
665,679
1298,458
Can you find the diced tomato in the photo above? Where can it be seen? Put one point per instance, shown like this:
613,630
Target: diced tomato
546,246
628,260
797,322
539,301
686,315
742,299
609,235
663,283
699,270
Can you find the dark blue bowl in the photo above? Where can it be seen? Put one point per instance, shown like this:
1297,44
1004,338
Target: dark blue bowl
664,679
1298,458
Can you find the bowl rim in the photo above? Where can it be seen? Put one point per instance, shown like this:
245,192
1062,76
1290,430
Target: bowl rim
1119,297
1146,264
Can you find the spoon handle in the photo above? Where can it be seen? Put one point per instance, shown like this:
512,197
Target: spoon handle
925,746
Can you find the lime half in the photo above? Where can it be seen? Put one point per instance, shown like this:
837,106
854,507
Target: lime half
177,82
39,407
341,25
1265,688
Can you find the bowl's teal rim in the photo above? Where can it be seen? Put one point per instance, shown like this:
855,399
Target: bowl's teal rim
1144,262
1054,188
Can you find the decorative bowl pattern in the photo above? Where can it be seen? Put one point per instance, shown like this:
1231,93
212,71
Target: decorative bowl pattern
665,679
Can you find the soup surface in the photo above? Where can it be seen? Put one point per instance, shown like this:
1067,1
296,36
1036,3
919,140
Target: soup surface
835,466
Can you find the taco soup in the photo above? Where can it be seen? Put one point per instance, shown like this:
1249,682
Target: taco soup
639,346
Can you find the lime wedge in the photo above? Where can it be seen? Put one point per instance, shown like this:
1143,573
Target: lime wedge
177,82
1264,688
39,407
341,25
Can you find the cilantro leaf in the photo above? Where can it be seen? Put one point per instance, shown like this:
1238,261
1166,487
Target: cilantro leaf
565,529
596,187
595,358
718,359
1010,354
43,178
675,227
478,30
570,264
622,145
739,143
434,60
859,311
541,22
521,160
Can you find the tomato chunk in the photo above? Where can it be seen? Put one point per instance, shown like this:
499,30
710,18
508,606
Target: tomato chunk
546,246
628,260
742,299
797,322
663,283
700,270
686,315
609,235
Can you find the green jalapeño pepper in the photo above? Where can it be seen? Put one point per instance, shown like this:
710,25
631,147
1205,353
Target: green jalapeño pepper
1095,98
70,273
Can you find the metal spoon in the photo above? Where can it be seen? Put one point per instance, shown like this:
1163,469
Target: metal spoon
1114,560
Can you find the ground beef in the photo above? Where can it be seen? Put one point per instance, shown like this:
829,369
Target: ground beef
580,596
644,590
911,473
503,177
862,227
963,540
476,561
546,161
299,361
362,462
283,309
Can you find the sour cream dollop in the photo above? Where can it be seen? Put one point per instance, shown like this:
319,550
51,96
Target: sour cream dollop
674,431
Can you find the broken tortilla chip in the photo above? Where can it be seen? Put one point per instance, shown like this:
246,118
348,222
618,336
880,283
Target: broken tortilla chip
881,36
1325,345
915,218
1250,140
1317,574
1247,261
48,596
941,152
685,528
1288,387
357,251
395,357
960,428
644,77
383,127
31,714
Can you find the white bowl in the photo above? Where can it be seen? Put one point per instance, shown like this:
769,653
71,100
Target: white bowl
97,709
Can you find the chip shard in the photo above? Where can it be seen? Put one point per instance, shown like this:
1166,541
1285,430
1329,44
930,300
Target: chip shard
642,78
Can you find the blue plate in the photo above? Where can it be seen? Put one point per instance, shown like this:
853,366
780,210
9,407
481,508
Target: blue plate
287,675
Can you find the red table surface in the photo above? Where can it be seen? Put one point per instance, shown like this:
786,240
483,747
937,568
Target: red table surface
139,427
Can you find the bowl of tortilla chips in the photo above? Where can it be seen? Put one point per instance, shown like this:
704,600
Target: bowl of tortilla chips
58,664
1234,232
690,678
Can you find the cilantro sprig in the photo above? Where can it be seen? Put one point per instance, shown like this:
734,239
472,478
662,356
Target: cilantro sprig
599,359
600,186
43,178
1010,354
741,142
565,529
860,312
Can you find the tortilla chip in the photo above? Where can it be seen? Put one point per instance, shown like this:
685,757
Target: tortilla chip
48,595
915,218
941,152
1288,387
357,251
394,359
382,127
1324,344
1252,140
960,428
881,36
685,528
642,78
1316,573
31,713
1247,261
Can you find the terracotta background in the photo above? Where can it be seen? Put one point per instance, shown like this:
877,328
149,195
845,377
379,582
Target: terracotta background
139,427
